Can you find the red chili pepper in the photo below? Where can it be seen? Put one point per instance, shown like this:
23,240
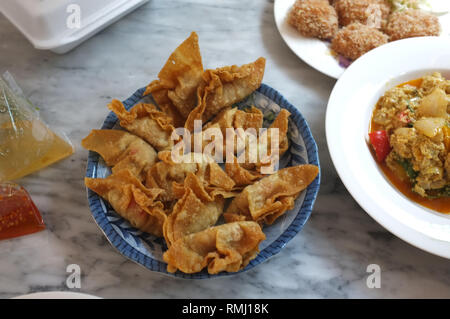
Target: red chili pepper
380,143
404,117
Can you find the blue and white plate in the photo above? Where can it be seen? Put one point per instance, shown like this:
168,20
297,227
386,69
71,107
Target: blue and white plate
147,250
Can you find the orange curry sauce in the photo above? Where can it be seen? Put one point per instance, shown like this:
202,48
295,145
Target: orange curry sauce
18,214
441,205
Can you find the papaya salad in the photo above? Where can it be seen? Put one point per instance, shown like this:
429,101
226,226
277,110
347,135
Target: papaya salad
409,136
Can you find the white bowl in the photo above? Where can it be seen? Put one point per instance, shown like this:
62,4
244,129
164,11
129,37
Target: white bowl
347,124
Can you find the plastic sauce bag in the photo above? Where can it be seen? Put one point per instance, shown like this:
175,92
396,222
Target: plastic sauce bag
18,214
27,144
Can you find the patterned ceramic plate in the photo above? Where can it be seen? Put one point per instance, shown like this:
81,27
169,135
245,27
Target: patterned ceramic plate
147,250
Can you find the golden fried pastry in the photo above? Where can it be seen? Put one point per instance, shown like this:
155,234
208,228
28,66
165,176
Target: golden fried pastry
228,247
270,197
167,172
270,145
240,175
281,123
176,89
373,13
121,150
164,173
412,23
192,213
147,122
356,39
227,121
314,18
224,87
131,200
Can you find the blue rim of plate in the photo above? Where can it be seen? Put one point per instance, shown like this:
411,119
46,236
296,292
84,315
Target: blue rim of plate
155,265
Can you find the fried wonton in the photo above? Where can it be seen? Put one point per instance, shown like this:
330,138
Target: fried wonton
240,175
192,213
167,172
147,122
224,87
270,197
203,188
164,173
131,200
281,122
233,119
249,118
121,150
201,197
266,163
176,89
228,247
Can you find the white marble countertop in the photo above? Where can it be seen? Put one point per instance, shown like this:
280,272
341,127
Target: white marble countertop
327,259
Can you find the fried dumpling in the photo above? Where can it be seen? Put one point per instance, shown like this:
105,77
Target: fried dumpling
147,122
224,87
167,172
121,150
164,173
228,247
192,213
248,118
214,177
281,122
131,200
233,124
176,89
240,175
231,84
270,197
201,201
235,118
266,162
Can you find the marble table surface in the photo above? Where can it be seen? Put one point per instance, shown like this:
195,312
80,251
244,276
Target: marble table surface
327,259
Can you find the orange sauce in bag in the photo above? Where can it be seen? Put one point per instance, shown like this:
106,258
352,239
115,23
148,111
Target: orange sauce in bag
28,146
18,214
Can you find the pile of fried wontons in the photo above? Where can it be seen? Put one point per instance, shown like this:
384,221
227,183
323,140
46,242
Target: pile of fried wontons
182,202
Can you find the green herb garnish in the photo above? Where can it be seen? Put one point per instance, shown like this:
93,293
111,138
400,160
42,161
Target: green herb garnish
407,166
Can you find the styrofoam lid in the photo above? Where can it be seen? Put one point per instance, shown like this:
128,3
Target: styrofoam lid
49,24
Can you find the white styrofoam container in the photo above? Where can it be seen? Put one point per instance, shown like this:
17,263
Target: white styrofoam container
52,24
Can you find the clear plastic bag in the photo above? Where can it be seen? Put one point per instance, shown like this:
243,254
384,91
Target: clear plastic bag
27,144
18,214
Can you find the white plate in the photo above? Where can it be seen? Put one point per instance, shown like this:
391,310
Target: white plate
316,52
57,295
347,124
313,51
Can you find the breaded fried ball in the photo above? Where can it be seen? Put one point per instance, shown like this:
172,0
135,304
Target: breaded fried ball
412,23
314,18
373,13
356,39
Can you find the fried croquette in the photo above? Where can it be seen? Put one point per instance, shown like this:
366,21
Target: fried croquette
314,18
373,13
356,39
412,23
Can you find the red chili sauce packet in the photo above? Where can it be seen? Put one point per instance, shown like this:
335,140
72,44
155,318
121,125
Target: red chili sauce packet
18,214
